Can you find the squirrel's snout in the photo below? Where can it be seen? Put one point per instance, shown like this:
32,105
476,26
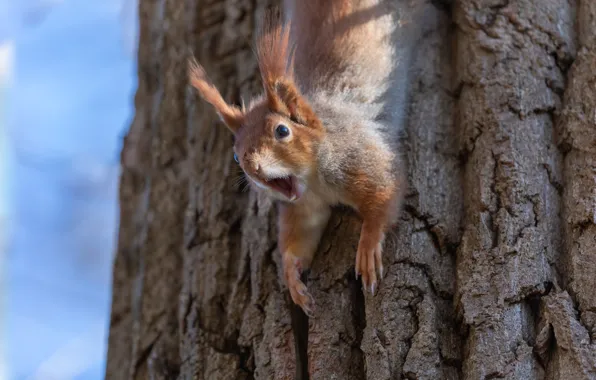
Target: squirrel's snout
253,164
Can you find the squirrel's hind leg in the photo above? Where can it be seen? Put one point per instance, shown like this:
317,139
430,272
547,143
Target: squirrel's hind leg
301,226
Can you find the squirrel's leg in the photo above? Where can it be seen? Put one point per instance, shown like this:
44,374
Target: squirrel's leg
300,228
370,249
378,214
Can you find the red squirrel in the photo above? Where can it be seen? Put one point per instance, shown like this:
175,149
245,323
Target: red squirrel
325,130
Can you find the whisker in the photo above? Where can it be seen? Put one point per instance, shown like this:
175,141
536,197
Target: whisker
239,181
240,177
238,186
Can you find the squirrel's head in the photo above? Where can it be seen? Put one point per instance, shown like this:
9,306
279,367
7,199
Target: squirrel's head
276,137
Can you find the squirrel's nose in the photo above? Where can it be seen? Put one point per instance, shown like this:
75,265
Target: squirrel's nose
254,165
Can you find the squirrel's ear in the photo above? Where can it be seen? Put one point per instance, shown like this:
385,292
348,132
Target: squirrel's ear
231,116
274,51
293,104
276,64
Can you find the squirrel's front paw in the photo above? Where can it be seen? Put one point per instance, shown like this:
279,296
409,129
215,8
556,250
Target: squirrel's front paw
298,291
368,262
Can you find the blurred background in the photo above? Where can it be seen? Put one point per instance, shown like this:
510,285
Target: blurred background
67,81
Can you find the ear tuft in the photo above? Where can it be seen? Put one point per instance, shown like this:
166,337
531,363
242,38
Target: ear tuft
274,51
275,56
230,115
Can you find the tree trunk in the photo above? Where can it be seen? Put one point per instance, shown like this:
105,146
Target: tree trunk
491,272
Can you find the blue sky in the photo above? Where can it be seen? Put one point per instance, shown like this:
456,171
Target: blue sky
67,103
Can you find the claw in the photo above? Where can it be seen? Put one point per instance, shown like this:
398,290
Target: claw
298,291
368,265
308,311
309,306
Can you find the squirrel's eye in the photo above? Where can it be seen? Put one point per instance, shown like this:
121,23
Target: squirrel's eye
236,158
281,131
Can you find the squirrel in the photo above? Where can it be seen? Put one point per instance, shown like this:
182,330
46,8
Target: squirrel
326,128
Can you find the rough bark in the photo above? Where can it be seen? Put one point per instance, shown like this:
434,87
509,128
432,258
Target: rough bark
491,272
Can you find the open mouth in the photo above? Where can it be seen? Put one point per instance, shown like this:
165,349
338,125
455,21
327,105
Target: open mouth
288,186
